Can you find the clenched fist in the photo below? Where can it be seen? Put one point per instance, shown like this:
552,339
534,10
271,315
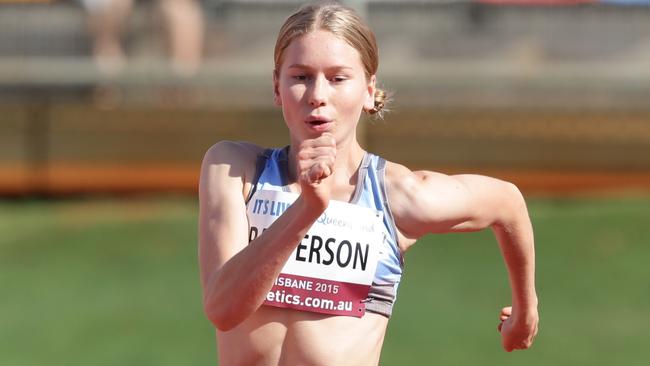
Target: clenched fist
315,158
517,330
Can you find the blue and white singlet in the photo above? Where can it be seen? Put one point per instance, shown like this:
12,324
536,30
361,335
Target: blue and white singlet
272,174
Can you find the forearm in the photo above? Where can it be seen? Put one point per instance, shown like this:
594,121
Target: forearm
514,233
240,286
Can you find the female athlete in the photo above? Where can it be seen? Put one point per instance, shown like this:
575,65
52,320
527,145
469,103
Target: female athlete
301,248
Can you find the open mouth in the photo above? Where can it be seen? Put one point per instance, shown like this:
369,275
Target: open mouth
318,120
319,123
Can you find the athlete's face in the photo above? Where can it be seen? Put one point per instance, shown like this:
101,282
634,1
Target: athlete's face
322,87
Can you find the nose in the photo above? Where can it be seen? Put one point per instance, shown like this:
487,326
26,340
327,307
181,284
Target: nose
318,92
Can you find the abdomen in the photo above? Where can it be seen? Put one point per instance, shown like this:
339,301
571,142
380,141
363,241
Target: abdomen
274,336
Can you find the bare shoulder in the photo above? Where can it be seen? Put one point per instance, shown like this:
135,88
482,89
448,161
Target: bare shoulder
228,167
232,152
403,180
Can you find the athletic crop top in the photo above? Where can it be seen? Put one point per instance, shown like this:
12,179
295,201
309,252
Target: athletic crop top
272,174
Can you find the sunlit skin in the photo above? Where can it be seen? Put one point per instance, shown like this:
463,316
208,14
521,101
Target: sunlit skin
322,79
322,89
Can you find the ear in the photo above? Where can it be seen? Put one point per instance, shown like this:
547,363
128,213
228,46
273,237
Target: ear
276,89
370,98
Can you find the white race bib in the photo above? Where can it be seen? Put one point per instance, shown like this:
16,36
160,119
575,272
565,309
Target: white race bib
332,268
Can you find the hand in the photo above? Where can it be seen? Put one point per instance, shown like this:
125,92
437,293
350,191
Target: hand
315,164
517,330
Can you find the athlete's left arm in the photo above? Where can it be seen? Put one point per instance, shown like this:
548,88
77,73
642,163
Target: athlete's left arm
426,202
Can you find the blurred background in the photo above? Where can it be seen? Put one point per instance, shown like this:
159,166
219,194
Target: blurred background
107,107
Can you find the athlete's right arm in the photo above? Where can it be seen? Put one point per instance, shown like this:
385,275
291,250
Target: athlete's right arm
237,275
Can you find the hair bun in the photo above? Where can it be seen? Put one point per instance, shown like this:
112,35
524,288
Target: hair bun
381,99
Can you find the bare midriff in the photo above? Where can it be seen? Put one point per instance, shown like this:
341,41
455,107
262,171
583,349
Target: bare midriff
275,336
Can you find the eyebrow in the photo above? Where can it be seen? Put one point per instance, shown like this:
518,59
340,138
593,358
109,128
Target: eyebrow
303,66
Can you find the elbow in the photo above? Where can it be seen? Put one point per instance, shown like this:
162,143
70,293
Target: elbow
220,308
219,316
513,207
518,203
219,311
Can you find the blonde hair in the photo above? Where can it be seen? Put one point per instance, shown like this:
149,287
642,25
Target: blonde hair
341,21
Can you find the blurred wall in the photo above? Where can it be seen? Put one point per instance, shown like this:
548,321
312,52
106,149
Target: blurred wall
554,98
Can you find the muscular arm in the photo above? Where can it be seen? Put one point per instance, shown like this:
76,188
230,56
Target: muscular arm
427,202
236,275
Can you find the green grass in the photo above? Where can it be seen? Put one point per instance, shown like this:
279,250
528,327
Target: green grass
101,282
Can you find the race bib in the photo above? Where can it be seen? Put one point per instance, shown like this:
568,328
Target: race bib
332,268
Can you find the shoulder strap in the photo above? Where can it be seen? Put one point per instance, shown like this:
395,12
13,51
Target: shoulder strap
259,169
361,177
283,163
381,174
